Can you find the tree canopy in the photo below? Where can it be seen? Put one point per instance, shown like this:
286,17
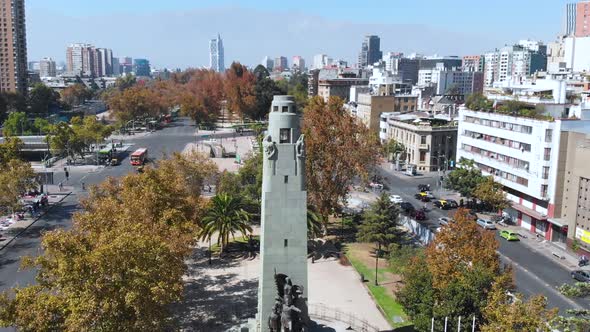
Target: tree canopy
239,90
339,149
465,178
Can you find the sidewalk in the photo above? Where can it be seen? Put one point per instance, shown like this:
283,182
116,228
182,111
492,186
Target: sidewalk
18,227
544,247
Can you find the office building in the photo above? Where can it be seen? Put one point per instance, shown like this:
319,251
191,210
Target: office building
298,63
281,64
141,67
370,51
405,69
339,87
556,57
47,68
116,67
126,65
446,62
103,62
216,55
576,19
430,144
268,63
454,82
13,49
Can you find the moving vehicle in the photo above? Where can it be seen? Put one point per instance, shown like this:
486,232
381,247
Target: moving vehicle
508,235
422,196
581,275
442,204
139,157
407,207
397,199
423,187
486,224
452,203
444,220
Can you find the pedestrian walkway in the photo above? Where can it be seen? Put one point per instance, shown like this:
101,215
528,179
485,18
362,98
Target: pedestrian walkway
544,247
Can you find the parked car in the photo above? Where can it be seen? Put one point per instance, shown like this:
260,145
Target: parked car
376,186
397,199
581,275
407,207
508,235
422,197
444,220
418,215
486,224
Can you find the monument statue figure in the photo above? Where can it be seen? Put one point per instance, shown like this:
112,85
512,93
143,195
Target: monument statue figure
270,150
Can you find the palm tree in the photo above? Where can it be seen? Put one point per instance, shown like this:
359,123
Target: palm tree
225,216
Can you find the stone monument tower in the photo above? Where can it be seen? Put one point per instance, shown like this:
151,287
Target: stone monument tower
283,243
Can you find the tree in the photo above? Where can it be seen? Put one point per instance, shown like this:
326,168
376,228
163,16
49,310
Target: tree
314,223
394,150
265,89
379,225
512,313
17,124
462,266
10,149
201,97
465,178
225,217
41,126
239,90
125,82
138,101
120,267
478,102
339,149
577,320
491,194
13,102
64,141
75,94
16,178
41,98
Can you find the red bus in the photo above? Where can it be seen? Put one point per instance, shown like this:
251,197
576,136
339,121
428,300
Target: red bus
139,157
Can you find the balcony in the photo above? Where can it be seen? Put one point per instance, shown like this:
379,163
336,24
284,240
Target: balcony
423,146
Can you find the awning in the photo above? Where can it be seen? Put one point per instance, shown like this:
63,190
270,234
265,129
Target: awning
529,212
558,221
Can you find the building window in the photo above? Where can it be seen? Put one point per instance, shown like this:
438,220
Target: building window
422,156
422,139
545,172
544,189
285,135
548,135
286,180
547,154
286,243
275,108
285,109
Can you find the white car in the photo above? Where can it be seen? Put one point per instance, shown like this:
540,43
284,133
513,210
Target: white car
486,224
396,199
444,220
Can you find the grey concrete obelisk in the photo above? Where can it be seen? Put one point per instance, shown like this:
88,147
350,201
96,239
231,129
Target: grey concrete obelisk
283,240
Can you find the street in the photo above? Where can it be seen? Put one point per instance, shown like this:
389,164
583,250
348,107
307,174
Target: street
170,139
534,273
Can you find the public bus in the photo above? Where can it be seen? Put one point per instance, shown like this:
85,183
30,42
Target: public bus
139,157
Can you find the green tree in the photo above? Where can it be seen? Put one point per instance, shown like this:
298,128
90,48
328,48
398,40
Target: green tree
42,126
394,150
17,124
10,149
41,98
577,320
16,178
478,102
491,194
265,89
224,218
380,223
338,149
63,140
465,178
13,102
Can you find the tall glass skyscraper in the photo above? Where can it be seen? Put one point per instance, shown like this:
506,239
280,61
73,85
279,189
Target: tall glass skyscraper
370,51
216,58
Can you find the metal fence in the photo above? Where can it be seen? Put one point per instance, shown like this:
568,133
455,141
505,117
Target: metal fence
323,312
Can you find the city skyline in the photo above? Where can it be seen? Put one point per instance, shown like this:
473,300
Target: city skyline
303,34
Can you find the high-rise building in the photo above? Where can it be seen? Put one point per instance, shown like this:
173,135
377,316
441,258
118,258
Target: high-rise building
116,67
47,68
516,62
141,67
404,68
370,51
216,55
298,63
321,60
80,59
268,63
281,64
13,49
103,62
473,63
575,22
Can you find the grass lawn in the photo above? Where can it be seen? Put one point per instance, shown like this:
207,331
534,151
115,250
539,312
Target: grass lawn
239,241
380,293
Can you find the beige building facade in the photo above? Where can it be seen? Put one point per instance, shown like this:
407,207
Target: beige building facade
13,46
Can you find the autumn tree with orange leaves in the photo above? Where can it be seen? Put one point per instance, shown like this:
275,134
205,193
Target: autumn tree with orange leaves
455,276
339,149
240,91
201,96
136,102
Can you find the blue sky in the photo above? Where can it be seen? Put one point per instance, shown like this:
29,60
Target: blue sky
174,33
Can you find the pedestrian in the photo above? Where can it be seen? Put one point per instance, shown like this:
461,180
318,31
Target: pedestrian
67,175
61,186
83,186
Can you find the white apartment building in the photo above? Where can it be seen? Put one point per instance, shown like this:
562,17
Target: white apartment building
522,154
516,61
47,68
463,82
